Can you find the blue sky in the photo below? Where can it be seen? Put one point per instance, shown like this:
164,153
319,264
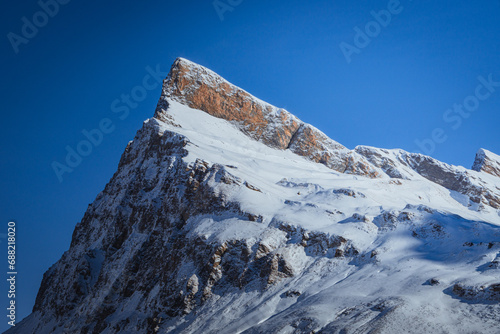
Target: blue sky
394,93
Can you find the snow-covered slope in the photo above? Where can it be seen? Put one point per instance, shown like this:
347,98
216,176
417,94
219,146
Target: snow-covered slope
228,215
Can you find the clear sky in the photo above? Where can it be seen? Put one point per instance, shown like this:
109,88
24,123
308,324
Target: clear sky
391,79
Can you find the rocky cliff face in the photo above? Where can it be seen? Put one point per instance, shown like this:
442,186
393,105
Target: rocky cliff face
229,215
202,89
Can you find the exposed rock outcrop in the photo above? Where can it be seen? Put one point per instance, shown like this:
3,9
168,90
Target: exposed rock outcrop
404,165
478,294
487,162
201,88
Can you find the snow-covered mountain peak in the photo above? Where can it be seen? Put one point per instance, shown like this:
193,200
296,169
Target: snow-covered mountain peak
487,162
228,215
199,88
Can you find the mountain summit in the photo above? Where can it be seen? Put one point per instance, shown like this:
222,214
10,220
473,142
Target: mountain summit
230,215
199,88
487,162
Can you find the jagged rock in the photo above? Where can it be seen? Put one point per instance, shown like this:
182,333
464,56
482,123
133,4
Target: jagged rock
487,162
477,293
310,142
434,281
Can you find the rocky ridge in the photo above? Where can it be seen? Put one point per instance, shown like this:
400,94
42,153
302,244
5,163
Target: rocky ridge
200,88
487,162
